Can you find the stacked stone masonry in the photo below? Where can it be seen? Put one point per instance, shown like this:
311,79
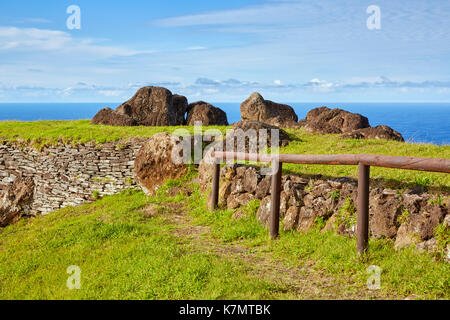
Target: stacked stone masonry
69,175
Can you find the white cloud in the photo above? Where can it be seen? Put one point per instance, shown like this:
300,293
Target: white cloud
259,14
196,48
34,39
34,20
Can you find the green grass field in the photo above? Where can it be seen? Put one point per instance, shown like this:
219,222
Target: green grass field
42,133
130,246
178,250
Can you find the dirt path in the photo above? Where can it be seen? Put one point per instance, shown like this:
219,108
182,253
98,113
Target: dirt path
301,283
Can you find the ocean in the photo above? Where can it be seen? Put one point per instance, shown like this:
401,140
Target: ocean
417,122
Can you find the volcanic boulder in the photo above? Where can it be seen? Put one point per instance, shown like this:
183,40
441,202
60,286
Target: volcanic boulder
206,113
256,108
352,125
109,117
16,200
255,135
150,106
378,132
154,163
325,120
180,106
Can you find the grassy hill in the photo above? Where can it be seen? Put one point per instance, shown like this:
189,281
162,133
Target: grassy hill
129,246
41,133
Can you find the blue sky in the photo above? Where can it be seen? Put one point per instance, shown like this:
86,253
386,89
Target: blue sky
224,50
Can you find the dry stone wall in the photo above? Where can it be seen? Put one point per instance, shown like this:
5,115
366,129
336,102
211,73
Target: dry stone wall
407,217
69,175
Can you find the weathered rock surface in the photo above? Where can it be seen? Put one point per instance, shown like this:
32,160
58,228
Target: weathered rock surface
351,125
206,113
256,108
384,208
419,227
180,107
378,132
109,117
154,164
264,211
325,120
150,106
16,201
255,135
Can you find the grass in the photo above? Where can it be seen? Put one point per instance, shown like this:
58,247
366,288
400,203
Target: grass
308,143
123,254
404,273
42,133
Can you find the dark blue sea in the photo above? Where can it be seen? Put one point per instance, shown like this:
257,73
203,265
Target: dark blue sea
417,122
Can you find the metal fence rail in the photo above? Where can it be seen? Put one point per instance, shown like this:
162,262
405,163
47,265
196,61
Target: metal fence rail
363,161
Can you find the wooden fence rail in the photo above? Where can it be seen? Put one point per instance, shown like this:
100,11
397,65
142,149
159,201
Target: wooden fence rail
363,161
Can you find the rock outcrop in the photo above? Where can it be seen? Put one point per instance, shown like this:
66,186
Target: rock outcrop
325,120
16,200
150,106
255,135
206,113
110,117
154,163
351,125
236,138
378,132
180,106
256,108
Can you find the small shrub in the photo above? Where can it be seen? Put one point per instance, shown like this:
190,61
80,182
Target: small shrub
96,194
335,194
347,214
319,223
404,216
129,181
438,201
423,181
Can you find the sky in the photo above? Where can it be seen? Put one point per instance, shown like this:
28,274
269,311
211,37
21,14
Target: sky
222,51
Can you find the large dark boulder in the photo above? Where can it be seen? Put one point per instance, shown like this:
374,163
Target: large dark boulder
325,120
154,163
109,117
180,107
16,200
378,132
150,106
256,108
206,113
